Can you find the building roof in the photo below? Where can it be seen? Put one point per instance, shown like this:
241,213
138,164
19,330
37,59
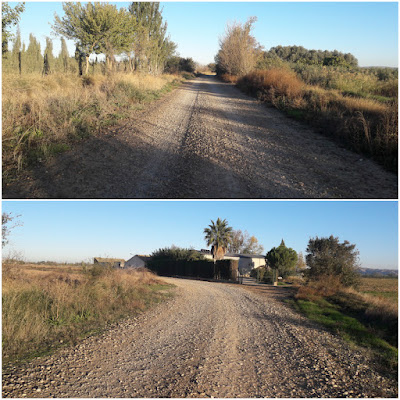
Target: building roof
203,251
245,255
144,258
108,260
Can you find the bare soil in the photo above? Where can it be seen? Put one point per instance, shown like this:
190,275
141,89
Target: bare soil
211,340
207,140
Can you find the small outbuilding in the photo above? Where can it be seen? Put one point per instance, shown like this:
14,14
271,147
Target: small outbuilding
137,261
109,262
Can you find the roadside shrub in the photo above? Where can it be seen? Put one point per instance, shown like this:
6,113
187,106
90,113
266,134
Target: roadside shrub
229,78
328,260
272,84
324,286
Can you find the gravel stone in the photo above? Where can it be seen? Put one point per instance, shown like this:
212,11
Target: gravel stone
205,132
211,340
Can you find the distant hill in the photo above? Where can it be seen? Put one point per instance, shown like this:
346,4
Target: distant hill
387,273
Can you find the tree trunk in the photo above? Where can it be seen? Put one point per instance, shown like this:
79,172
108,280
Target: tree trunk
19,63
87,64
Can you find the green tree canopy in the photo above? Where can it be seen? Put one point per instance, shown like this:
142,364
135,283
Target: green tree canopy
218,235
9,17
282,258
327,256
96,27
151,45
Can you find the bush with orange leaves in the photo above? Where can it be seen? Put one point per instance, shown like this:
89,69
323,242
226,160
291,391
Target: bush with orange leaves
271,84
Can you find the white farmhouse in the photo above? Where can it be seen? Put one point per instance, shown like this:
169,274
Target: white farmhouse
246,261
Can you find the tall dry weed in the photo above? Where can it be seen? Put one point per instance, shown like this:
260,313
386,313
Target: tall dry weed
365,125
42,308
43,116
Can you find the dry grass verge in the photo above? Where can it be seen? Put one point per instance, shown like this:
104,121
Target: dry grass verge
45,309
362,319
365,125
43,116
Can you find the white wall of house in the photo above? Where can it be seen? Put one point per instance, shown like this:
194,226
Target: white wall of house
246,262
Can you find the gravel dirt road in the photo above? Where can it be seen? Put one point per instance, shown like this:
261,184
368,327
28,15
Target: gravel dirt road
211,340
207,140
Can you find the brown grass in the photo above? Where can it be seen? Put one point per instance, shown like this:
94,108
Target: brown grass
365,125
42,309
43,116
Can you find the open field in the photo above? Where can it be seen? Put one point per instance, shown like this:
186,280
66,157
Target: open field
386,288
45,306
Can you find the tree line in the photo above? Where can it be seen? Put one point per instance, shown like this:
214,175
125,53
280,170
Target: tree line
240,53
325,256
132,39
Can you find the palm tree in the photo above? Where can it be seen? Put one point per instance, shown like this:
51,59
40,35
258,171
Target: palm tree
218,235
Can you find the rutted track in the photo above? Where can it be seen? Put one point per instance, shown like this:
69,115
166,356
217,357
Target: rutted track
211,340
207,140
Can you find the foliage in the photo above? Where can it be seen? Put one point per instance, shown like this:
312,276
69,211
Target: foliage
151,45
9,17
239,50
300,264
175,261
218,235
227,270
262,274
176,64
282,258
96,28
329,257
300,55
175,253
8,223
272,84
243,243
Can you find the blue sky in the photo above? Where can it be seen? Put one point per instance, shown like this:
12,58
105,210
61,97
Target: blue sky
369,30
79,230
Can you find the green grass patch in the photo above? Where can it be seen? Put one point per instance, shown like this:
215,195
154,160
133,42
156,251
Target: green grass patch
346,321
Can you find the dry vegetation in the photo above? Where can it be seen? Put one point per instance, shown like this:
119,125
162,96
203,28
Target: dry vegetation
43,116
361,315
46,306
362,116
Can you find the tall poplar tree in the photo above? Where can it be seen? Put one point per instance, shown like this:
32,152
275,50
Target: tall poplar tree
9,17
151,45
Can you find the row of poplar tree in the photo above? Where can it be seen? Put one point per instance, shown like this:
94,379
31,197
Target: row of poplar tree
131,39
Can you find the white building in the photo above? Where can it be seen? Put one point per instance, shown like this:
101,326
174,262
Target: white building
246,261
